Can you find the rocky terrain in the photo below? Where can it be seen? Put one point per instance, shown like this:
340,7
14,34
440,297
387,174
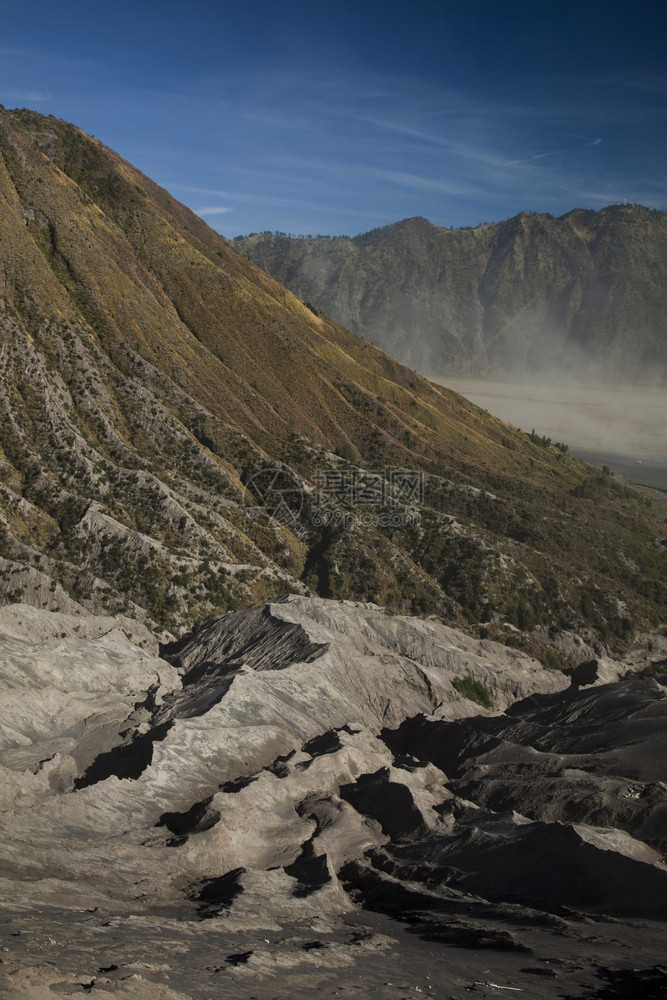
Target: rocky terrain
225,769
308,795
581,296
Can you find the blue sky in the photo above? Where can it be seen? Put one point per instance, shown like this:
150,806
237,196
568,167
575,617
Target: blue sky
337,118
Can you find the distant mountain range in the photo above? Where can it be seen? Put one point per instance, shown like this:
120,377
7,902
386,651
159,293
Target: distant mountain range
182,436
584,294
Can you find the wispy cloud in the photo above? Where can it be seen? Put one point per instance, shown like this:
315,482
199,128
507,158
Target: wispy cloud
34,61
537,156
213,210
416,182
555,152
29,96
258,200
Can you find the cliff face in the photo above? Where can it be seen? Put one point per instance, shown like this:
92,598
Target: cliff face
180,435
583,294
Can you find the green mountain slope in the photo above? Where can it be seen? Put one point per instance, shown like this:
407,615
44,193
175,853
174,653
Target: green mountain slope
181,435
583,294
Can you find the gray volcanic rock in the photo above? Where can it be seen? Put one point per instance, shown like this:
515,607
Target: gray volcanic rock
297,797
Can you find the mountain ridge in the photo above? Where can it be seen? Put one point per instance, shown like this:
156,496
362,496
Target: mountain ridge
581,294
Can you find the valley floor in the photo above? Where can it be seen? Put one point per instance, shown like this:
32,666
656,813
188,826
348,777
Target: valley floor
623,427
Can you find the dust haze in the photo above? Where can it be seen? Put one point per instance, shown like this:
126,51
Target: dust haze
618,425
607,400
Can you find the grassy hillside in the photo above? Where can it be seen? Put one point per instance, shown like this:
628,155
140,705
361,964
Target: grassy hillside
181,434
